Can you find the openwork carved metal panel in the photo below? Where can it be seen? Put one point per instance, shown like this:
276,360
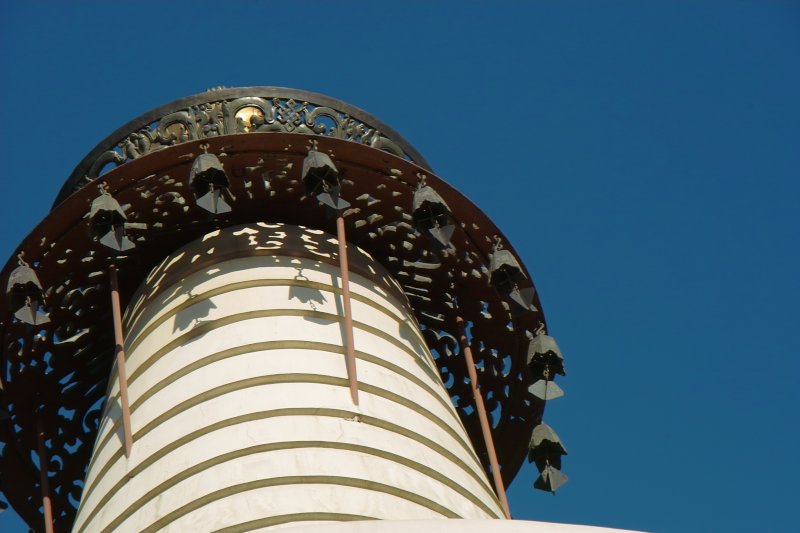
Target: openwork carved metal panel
231,111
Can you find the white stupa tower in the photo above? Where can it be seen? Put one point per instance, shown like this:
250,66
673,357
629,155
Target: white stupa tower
259,308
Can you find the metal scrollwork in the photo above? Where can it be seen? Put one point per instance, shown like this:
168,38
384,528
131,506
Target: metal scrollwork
198,118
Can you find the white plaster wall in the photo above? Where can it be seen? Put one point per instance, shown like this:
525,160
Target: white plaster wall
451,526
226,436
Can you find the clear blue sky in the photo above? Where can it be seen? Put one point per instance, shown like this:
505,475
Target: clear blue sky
643,158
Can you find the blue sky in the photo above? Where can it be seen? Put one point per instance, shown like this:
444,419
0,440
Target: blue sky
642,157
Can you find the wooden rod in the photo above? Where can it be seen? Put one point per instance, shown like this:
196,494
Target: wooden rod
348,315
43,467
120,352
486,428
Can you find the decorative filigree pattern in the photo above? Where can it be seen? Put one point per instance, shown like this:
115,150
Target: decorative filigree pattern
220,112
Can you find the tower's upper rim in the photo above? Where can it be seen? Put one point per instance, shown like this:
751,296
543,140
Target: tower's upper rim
225,111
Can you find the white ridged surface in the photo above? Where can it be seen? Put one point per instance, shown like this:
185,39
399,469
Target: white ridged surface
406,456
455,526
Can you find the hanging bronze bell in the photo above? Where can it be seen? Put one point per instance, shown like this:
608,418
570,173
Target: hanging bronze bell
321,180
506,275
107,223
25,296
431,216
543,353
209,183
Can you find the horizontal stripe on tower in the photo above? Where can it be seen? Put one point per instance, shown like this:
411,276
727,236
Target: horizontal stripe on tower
280,481
309,345
261,448
291,518
294,411
206,327
391,288
256,283
250,382
213,325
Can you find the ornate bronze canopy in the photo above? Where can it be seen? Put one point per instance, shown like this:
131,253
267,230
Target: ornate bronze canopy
58,371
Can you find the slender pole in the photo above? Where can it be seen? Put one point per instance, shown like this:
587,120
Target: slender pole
120,349
43,467
348,315
481,408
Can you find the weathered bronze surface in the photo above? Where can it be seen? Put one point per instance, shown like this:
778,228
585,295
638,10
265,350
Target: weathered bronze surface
236,110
